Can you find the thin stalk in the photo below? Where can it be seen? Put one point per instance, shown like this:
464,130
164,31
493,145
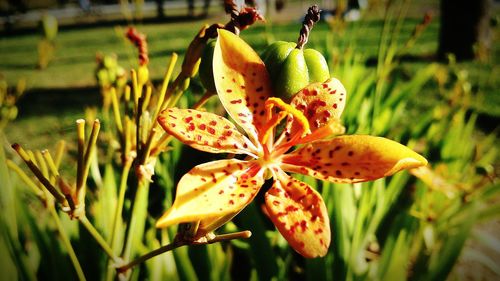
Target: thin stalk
42,164
116,110
50,162
146,151
121,199
135,228
89,151
118,211
166,81
61,146
135,88
179,243
80,135
381,66
35,188
29,161
98,238
201,102
150,255
67,244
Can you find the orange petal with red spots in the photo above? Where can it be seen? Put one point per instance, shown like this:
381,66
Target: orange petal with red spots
241,80
213,193
300,214
205,131
353,158
320,102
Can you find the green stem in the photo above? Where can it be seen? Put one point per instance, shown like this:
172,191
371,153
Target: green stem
121,199
67,244
179,243
135,229
154,253
98,238
118,212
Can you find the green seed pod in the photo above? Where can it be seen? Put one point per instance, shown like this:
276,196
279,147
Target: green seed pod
290,66
292,69
206,71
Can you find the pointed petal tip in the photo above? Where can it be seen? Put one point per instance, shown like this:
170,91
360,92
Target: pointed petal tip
164,221
413,160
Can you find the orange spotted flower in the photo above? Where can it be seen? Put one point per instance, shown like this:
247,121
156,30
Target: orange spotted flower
214,192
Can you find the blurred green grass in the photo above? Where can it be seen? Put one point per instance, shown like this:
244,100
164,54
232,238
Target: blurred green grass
71,72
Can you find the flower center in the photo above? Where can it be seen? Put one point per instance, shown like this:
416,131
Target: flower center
274,119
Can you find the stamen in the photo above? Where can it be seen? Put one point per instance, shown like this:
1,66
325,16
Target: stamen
287,109
333,128
271,124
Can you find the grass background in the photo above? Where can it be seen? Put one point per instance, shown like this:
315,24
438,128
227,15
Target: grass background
57,95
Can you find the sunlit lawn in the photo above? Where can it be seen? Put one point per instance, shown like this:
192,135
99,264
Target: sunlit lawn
43,117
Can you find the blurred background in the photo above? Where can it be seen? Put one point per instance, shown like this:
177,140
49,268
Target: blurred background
422,72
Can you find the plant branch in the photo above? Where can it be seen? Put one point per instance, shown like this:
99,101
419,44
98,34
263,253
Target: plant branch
310,19
179,242
98,238
67,244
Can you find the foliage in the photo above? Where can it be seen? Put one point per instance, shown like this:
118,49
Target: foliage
402,227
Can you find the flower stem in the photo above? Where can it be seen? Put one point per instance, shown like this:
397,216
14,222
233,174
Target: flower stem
67,244
121,199
154,253
136,224
98,238
36,171
203,100
310,19
179,243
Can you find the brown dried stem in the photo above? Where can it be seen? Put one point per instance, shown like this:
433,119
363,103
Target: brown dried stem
312,17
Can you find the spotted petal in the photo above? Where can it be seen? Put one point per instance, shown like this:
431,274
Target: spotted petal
320,102
353,158
241,80
300,214
205,131
213,193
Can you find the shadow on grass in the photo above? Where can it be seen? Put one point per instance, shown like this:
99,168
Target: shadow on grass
57,101
13,31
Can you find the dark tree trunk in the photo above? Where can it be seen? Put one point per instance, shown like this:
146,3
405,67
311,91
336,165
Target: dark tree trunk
160,12
464,23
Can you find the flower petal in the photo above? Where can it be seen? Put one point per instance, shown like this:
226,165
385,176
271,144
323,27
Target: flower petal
205,131
321,102
353,158
300,214
213,193
241,80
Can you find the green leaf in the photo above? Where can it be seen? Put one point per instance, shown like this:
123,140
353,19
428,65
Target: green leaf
261,251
